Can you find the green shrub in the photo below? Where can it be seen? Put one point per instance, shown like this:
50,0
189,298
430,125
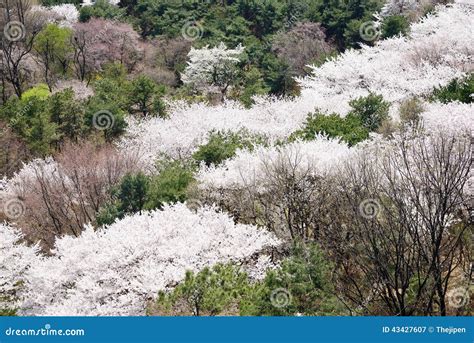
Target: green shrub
252,84
68,114
223,145
394,26
367,115
137,192
349,129
40,91
127,198
45,121
106,118
31,120
107,108
170,185
371,110
101,9
145,97
220,290
457,90
302,285
109,213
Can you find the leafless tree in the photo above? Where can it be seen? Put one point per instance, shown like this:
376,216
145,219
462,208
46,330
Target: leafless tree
99,42
289,198
14,151
399,230
60,198
20,29
395,219
303,44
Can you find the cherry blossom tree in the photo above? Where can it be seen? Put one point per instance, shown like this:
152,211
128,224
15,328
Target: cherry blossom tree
212,68
116,269
64,15
15,260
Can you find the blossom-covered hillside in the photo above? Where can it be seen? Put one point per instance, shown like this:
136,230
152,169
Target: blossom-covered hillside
438,49
229,167
114,271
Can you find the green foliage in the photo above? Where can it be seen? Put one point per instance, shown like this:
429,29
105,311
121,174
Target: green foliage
367,115
342,19
145,97
115,71
109,213
253,24
252,84
114,94
128,197
220,290
55,41
461,90
40,91
349,129
351,36
30,119
371,110
223,145
265,17
109,90
279,77
170,185
395,25
302,285
140,192
45,121
101,9
110,98
68,114
132,193
112,114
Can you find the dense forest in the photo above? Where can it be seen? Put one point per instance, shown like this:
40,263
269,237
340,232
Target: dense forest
236,157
